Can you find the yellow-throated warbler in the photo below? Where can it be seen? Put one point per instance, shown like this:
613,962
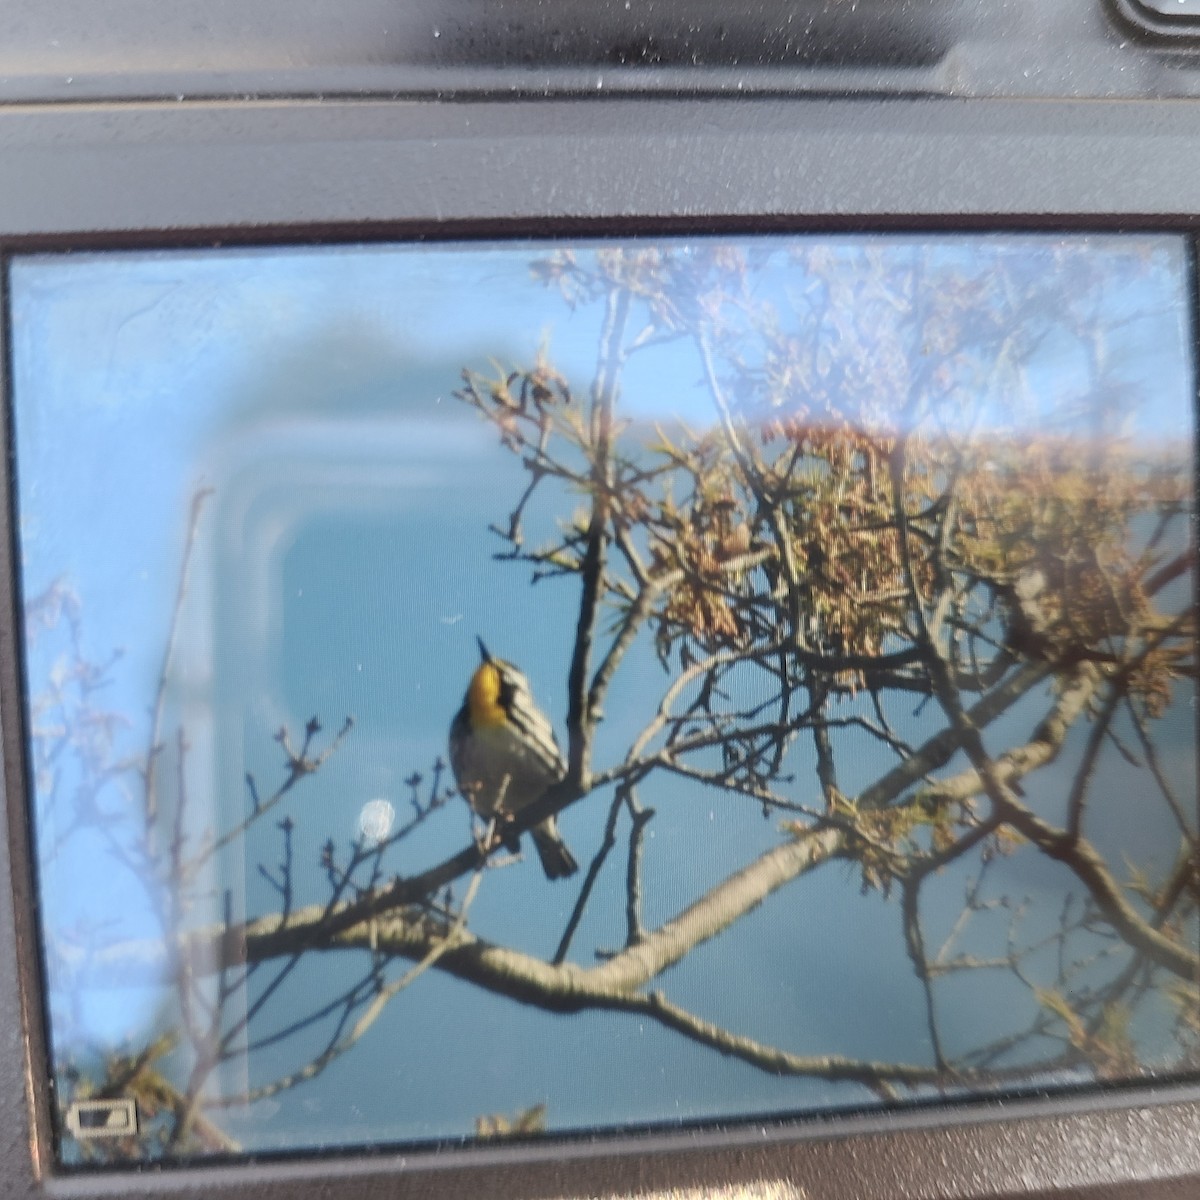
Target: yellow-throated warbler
505,755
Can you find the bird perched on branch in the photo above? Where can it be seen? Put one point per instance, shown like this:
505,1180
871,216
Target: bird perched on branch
505,755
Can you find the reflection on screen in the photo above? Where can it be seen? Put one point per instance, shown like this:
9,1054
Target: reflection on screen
492,690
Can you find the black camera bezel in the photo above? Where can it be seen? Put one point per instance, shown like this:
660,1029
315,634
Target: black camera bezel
1162,27
215,172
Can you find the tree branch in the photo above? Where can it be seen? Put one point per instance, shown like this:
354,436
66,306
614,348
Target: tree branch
581,720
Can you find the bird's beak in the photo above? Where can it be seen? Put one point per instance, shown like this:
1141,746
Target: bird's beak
483,650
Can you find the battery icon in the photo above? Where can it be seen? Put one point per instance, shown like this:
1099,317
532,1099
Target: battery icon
102,1119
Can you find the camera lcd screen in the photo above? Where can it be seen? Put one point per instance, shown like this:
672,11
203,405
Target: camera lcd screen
496,690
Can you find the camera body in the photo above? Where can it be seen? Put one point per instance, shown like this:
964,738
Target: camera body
127,125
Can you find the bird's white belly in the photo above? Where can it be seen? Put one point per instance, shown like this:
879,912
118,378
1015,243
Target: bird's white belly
497,773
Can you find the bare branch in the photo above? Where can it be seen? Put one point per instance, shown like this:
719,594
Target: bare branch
164,675
1090,867
581,720
585,893
634,933
300,764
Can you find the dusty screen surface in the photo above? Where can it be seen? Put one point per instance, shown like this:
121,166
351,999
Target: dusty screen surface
485,690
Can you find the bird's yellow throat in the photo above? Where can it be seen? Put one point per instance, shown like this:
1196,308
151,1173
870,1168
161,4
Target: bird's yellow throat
483,698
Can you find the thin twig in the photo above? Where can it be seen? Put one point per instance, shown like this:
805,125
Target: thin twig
585,892
164,675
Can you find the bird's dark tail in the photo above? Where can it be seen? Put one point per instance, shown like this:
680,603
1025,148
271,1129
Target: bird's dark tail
557,861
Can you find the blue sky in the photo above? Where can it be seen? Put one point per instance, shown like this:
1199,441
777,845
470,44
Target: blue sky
343,568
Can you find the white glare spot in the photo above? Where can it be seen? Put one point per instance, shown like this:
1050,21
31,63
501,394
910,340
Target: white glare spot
375,821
